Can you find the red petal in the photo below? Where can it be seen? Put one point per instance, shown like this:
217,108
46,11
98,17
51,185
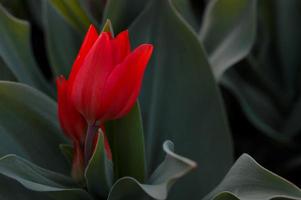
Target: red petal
124,83
89,40
72,123
89,81
121,47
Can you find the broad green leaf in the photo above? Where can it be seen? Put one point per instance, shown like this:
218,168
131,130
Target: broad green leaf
123,13
185,8
247,180
29,127
99,172
126,140
5,73
180,100
94,10
16,8
73,13
228,32
267,85
10,189
62,45
171,169
41,180
16,52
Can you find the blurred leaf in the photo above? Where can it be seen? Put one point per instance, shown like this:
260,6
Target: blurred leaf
94,9
16,52
28,126
35,8
62,45
16,7
10,189
180,100
185,8
267,85
67,151
247,180
99,172
123,13
38,179
228,32
126,140
73,13
5,73
172,168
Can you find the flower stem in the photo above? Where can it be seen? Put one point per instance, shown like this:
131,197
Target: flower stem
91,131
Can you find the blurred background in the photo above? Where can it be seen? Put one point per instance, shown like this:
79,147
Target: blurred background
261,91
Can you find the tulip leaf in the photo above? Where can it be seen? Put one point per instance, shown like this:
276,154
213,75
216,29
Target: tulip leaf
94,10
99,172
10,189
247,180
272,70
126,140
228,32
41,180
67,151
5,72
172,168
123,13
29,127
73,13
63,45
180,99
185,8
16,52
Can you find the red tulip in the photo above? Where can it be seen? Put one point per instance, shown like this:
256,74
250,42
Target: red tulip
104,83
107,77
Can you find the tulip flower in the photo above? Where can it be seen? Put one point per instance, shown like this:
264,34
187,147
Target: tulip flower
103,85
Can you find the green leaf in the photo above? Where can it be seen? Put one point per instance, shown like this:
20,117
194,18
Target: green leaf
67,151
16,52
228,32
39,179
62,45
5,73
185,8
247,180
126,140
10,189
272,69
180,100
29,127
94,10
73,13
99,172
123,13
171,169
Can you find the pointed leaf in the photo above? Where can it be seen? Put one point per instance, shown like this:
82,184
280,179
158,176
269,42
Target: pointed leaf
228,32
180,99
126,140
62,45
170,170
73,13
247,180
39,179
29,127
16,52
123,13
99,172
